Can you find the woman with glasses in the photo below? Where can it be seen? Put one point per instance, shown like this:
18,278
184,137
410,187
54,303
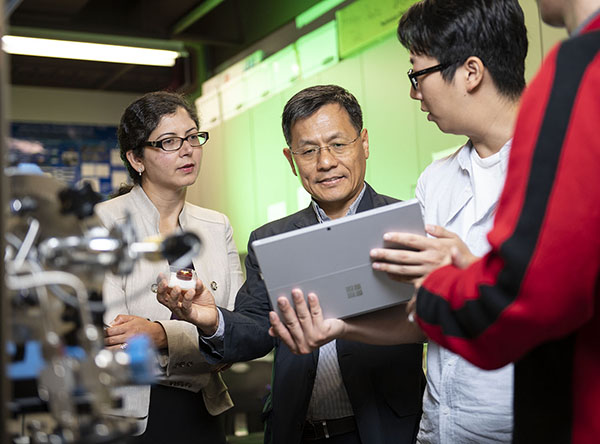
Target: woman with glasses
161,146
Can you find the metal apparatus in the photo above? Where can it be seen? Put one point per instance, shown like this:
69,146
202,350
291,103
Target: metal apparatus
57,255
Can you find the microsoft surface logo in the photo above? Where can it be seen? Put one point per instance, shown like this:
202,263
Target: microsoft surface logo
354,291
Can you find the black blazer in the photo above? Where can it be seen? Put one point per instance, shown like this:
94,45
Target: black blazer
384,383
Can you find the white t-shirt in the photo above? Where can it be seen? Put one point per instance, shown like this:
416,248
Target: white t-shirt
488,180
463,403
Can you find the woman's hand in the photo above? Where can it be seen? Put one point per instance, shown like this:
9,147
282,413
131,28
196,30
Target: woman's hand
125,326
196,305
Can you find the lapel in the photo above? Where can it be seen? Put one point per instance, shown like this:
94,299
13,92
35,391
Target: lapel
201,263
305,217
370,200
461,190
464,193
138,297
367,202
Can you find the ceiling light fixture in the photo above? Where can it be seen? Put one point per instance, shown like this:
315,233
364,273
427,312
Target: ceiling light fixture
98,52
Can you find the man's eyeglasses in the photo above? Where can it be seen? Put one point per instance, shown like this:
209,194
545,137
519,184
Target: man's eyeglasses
412,76
309,153
173,143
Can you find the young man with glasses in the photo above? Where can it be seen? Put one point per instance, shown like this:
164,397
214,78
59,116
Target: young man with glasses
468,60
346,392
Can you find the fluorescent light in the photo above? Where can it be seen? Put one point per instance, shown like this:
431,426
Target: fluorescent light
98,52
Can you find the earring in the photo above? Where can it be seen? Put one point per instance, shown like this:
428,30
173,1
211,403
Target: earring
140,173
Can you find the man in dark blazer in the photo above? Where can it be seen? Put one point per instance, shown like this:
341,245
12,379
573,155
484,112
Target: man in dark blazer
349,392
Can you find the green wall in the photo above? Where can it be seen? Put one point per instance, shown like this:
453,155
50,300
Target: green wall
244,171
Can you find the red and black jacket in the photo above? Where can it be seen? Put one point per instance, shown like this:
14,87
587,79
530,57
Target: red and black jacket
535,297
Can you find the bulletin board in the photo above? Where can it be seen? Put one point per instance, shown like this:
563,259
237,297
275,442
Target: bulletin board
73,153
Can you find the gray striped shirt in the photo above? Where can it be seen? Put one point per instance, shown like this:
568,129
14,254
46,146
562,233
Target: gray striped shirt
329,399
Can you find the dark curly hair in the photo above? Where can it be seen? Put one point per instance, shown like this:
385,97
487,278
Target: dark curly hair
142,117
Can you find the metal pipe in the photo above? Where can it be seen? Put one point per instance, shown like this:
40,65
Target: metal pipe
4,306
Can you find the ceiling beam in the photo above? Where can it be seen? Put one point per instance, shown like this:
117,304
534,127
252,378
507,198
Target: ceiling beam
10,7
196,14
115,76
210,41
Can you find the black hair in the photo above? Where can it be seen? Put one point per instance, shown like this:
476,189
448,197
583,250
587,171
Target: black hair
141,118
451,31
124,188
308,101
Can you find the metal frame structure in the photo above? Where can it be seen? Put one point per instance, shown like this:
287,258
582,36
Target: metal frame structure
3,193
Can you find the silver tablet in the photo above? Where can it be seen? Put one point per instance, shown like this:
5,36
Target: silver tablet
332,260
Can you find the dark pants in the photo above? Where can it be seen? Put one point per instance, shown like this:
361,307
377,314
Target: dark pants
346,438
180,416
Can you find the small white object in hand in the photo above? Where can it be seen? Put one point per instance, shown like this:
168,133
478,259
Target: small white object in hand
183,278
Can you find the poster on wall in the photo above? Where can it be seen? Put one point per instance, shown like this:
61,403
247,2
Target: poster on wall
71,153
364,22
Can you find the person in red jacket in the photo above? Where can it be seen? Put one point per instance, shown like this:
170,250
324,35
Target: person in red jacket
533,299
